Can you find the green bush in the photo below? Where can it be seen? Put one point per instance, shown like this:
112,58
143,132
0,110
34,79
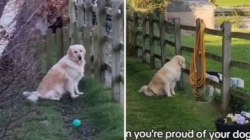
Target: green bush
236,104
235,19
213,2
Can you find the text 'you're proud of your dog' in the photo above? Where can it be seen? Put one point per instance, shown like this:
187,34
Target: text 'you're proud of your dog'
188,134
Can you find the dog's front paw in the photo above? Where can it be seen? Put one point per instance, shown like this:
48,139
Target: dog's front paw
80,93
74,96
56,98
169,95
173,93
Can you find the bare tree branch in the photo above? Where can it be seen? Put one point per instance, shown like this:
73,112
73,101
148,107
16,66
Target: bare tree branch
19,39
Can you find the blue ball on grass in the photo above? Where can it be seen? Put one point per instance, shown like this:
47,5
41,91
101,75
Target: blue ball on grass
76,123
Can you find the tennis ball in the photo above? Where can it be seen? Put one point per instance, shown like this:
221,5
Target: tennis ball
76,123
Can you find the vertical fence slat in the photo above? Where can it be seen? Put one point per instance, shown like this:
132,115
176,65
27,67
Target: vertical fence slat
80,16
144,22
180,83
96,54
128,44
135,50
151,41
75,36
226,54
59,43
87,41
115,73
65,40
162,39
53,49
101,19
72,18
49,48
39,55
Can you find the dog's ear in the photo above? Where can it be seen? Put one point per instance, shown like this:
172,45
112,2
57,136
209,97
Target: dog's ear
177,60
69,52
84,50
180,61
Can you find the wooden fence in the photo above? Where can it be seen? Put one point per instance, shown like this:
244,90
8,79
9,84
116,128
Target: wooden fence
83,32
227,35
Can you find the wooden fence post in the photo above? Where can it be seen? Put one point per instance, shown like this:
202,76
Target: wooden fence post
40,50
59,43
177,30
65,37
101,19
96,53
72,19
49,47
87,41
151,41
128,44
135,29
75,36
198,61
80,16
116,64
162,39
144,38
226,54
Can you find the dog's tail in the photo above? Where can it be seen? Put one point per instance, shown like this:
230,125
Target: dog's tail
144,89
32,96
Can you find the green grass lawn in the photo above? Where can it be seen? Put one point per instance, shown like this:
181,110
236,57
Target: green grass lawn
180,113
230,3
95,105
214,45
44,122
106,115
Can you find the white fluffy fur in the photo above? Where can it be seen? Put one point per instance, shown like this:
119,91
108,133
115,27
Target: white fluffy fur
211,88
63,77
165,79
234,81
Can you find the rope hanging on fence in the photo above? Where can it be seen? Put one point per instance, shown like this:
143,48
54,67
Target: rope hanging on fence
198,80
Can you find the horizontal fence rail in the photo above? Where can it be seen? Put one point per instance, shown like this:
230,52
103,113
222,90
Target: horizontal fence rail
82,31
133,33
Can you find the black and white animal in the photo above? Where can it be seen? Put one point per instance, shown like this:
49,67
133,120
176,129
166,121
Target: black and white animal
217,77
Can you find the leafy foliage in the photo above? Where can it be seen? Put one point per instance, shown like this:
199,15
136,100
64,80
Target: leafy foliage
53,9
236,19
146,6
214,2
237,104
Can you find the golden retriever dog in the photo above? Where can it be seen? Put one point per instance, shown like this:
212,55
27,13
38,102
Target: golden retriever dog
165,79
63,77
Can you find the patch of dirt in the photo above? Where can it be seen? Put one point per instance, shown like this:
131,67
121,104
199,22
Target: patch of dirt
70,111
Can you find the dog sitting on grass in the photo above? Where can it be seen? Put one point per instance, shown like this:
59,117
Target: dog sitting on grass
165,79
63,77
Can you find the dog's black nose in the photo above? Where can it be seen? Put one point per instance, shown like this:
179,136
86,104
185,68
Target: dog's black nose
80,58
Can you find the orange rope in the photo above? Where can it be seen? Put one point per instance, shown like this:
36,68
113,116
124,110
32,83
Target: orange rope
195,79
